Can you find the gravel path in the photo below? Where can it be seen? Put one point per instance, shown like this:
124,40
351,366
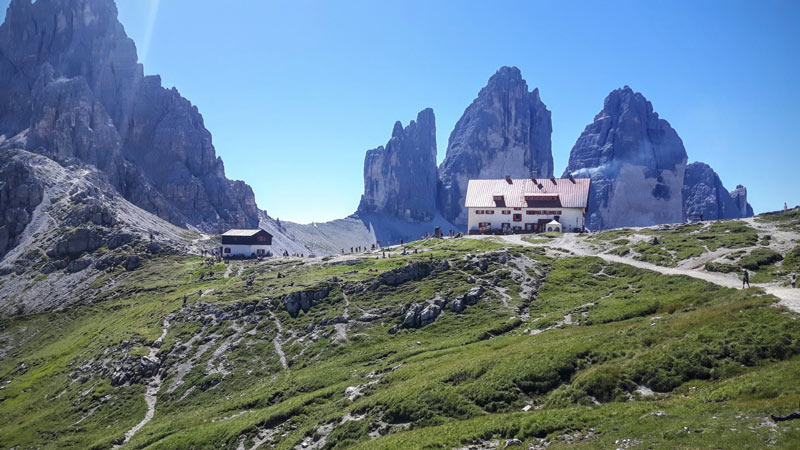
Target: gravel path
150,394
788,297
228,270
277,341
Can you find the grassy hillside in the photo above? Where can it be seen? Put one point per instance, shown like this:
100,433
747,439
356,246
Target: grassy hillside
558,351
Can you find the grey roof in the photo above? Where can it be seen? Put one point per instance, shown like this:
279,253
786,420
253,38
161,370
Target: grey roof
571,193
235,232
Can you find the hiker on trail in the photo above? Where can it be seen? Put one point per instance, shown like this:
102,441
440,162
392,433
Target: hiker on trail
701,217
184,300
785,207
655,240
794,281
745,279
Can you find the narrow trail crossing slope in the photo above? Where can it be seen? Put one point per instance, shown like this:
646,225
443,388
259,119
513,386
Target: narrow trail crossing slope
572,243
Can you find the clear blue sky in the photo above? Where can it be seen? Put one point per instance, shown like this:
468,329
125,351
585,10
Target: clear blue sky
294,93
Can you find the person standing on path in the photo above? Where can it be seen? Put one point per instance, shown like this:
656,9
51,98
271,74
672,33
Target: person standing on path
794,280
745,279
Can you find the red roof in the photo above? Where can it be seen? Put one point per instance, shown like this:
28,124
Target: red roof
571,193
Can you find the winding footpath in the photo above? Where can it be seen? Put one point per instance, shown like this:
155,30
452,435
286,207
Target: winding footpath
150,394
788,297
277,341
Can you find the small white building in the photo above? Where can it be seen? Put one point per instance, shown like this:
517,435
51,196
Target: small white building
246,243
527,205
553,226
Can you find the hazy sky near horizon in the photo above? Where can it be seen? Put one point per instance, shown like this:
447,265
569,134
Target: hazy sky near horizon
294,93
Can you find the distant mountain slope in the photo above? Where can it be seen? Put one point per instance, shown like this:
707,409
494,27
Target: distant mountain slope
68,228
71,87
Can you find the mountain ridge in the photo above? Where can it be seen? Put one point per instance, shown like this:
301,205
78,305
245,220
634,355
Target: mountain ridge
74,88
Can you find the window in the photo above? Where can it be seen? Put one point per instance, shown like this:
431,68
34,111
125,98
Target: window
517,228
478,211
517,217
489,211
552,213
261,239
506,211
260,251
529,212
227,249
517,209
484,225
559,213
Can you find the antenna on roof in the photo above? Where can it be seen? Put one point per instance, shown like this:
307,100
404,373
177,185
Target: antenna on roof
571,178
533,177
553,179
508,179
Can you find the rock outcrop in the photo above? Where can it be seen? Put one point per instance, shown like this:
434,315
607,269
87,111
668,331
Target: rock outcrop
505,131
739,196
304,300
400,179
71,88
20,194
637,163
401,275
705,197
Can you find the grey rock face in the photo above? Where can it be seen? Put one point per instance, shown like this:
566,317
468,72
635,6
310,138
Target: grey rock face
739,196
705,196
413,272
70,79
636,162
77,242
303,300
20,193
505,131
418,315
400,179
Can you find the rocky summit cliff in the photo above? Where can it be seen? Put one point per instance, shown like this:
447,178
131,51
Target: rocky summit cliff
400,179
637,163
505,131
705,197
71,89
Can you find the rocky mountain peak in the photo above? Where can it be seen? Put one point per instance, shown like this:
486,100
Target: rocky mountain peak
637,163
400,179
71,83
505,131
705,197
739,196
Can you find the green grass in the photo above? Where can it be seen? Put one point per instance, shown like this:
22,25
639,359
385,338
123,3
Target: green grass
677,244
718,358
788,221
